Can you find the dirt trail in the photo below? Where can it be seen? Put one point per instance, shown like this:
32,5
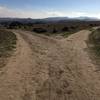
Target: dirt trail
45,68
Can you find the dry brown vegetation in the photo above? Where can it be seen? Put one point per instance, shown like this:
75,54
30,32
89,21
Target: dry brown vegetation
94,46
7,44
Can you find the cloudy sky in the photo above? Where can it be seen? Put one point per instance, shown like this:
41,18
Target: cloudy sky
49,8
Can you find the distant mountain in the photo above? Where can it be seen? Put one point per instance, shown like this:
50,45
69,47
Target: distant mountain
82,18
56,18
46,20
87,18
24,20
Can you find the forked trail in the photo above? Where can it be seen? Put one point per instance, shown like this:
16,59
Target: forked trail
45,68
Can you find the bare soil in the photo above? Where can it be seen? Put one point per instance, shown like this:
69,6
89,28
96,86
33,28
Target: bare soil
47,68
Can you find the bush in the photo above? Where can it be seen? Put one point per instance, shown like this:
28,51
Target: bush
15,25
65,29
54,30
39,30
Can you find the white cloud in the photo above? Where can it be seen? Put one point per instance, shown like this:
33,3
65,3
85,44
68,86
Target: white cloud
72,14
7,12
55,13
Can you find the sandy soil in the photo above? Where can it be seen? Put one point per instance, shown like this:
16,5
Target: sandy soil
45,68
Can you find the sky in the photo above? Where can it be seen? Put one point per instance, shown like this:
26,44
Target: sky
49,8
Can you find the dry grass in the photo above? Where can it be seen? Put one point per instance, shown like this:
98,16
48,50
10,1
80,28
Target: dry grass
7,44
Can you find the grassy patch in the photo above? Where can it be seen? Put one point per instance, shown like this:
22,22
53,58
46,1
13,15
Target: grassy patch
91,29
94,40
7,42
68,33
94,47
